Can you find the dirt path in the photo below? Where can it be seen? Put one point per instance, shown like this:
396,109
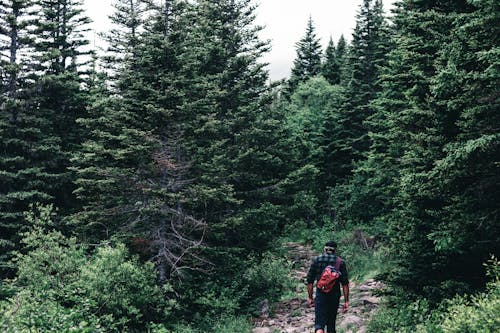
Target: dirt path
295,316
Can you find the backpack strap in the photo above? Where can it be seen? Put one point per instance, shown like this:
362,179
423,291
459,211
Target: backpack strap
337,264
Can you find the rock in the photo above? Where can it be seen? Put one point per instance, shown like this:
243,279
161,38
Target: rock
350,320
264,308
261,330
361,329
369,300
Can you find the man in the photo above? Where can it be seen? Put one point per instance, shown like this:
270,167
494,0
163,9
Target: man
326,304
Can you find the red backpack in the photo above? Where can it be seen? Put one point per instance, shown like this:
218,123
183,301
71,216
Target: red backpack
329,277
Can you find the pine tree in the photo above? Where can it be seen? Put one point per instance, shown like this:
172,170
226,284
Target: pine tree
362,69
341,56
366,55
465,90
58,54
115,155
331,67
23,178
132,171
423,128
307,63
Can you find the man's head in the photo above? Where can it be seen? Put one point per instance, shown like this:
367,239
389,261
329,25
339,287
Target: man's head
330,246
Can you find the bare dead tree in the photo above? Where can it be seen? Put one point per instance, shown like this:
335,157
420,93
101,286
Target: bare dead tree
177,237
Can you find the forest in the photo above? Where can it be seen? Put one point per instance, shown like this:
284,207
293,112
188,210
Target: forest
151,187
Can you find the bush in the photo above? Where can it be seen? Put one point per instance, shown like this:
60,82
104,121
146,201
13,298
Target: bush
268,279
63,287
404,318
480,312
472,314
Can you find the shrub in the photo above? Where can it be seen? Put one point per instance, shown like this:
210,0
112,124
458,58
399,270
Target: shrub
480,312
267,279
64,287
472,314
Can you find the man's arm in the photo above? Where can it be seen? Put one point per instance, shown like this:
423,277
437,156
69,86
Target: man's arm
345,287
311,274
310,299
344,279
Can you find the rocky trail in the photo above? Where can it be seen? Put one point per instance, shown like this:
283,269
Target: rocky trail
295,316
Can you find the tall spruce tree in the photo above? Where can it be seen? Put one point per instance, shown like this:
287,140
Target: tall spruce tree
59,58
115,155
330,68
307,62
366,54
466,90
132,169
423,127
333,66
23,177
341,56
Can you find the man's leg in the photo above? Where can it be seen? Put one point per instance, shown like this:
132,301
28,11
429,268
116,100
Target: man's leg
333,306
320,312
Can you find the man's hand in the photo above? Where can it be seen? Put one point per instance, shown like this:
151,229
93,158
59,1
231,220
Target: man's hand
346,306
310,300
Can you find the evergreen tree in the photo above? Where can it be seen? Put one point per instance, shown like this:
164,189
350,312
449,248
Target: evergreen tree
116,155
23,177
331,66
307,63
367,53
423,127
362,69
58,54
123,37
341,56
132,168
466,88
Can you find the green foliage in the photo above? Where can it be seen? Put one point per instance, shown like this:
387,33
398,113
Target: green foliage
475,314
237,291
404,318
480,312
267,279
225,324
307,63
63,286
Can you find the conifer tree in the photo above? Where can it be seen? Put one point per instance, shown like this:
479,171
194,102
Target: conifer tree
23,178
361,71
341,56
367,53
423,127
331,67
116,152
465,90
133,169
58,54
307,62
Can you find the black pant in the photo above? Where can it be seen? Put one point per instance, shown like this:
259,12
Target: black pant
325,310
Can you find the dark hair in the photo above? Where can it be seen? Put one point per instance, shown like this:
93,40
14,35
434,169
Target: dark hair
331,244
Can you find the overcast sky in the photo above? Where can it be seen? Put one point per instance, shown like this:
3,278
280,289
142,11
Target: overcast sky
285,23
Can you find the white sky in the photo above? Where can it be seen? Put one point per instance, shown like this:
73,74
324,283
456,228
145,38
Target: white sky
285,23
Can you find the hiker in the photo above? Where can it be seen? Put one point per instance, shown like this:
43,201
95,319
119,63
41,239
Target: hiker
327,301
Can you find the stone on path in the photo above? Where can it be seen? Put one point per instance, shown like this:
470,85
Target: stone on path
369,300
261,330
350,320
